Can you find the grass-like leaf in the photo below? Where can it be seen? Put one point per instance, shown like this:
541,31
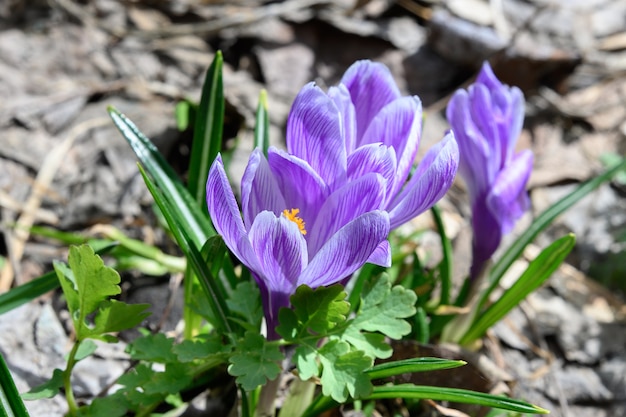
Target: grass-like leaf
207,133
445,267
388,369
11,404
261,128
420,392
196,221
207,281
537,272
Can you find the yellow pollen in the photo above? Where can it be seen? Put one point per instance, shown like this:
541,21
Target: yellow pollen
293,216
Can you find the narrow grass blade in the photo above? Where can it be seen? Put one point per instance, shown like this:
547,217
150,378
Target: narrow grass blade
261,129
445,267
207,133
537,272
11,404
216,299
544,219
420,392
454,395
388,369
196,222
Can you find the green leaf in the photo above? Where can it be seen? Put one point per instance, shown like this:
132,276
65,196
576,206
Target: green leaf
255,361
85,349
188,212
153,348
313,312
343,371
418,392
261,128
382,309
204,347
174,379
246,302
48,389
207,281
446,264
86,284
388,369
537,272
453,395
11,404
305,358
207,135
114,405
115,316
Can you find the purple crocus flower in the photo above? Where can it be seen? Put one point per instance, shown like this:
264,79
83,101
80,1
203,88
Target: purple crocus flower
487,120
271,240
317,213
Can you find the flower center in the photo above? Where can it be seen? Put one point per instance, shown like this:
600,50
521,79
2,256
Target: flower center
293,216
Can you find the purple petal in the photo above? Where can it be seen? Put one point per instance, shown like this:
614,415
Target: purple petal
344,205
347,250
508,199
371,87
376,158
473,148
483,114
398,125
259,189
488,78
301,186
381,255
341,97
432,179
281,249
314,134
225,215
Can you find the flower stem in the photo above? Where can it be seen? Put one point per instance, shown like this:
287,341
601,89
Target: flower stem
266,404
67,384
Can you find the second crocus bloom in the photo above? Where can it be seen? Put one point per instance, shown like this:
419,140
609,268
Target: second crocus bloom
487,121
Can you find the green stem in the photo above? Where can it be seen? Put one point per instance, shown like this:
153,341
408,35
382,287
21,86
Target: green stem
67,384
267,399
446,262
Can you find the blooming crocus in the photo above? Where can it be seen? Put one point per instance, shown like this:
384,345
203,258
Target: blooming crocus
487,120
315,214
271,239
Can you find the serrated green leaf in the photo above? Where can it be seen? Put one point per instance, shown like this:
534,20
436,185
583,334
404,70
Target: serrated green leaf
246,302
86,284
372,344
255,361
115,316
204,347
343,371
136,377
114,405
154,348
305,358
383,308
48,389
175,378
316,311
85,349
